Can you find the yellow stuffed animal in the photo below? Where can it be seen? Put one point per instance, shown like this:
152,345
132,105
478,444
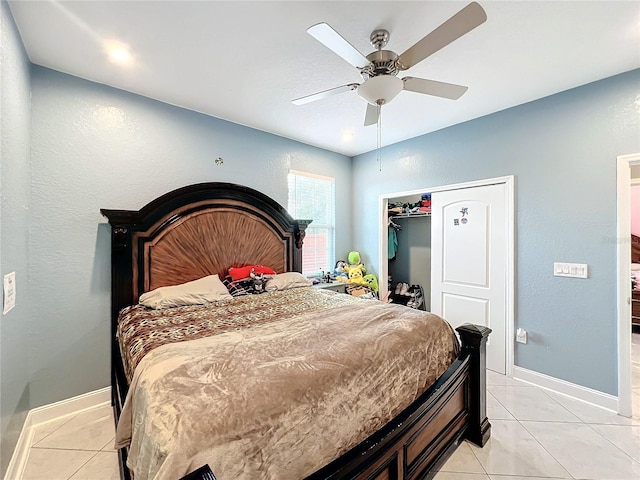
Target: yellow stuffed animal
354,270
355,276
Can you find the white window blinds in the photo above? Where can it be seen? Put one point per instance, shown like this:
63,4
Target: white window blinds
313,197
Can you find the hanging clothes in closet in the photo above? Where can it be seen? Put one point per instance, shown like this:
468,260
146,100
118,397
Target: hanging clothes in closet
393,239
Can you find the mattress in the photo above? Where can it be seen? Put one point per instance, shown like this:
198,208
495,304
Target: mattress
282,384
141,329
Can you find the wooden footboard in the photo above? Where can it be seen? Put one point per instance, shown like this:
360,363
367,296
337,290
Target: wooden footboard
419,440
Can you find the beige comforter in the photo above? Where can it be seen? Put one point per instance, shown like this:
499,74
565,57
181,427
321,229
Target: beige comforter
282,399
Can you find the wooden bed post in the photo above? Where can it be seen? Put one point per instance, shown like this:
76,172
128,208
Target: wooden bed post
300,230
474,343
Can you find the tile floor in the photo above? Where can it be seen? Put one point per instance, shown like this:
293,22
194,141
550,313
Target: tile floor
536,435
75,447
539,435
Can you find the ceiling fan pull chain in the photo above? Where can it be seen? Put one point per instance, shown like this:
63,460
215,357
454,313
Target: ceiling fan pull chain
379,136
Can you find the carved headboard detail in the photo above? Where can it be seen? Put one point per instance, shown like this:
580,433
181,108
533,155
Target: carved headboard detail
635,249
195,231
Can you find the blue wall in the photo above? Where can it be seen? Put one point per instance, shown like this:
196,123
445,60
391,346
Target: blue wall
97,147
14,190
562,150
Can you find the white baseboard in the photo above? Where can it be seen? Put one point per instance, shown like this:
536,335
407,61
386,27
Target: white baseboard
563,387
45,414
20,455
59,409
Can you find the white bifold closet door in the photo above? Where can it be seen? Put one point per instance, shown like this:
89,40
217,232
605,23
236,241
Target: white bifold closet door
469,262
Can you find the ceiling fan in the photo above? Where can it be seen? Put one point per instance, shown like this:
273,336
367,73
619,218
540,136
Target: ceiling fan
380,68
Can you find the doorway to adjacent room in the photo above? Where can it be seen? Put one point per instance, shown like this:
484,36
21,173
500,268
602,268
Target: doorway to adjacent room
625,164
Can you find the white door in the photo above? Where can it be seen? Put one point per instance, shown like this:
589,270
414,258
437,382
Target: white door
469,262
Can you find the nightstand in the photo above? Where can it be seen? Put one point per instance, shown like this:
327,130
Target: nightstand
334,286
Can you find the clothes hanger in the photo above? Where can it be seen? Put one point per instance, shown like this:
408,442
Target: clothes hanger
394,225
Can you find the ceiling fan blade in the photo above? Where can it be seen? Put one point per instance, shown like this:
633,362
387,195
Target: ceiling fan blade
335,42
431,87
324,94
371,117
462,22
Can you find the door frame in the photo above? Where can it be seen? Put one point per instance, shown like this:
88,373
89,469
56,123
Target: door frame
509,182
623,247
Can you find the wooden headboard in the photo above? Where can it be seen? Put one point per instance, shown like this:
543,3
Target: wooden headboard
195,231
635,249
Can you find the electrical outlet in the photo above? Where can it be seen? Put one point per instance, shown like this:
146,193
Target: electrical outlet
521,336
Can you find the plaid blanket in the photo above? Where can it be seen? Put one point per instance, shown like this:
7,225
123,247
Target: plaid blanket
237,288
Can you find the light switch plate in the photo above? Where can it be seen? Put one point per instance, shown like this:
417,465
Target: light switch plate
573,270
9,292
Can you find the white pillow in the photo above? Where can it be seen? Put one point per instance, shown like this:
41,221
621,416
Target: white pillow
204,290
635,267
284,281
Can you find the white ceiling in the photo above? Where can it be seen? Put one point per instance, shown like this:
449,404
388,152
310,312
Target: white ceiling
244,61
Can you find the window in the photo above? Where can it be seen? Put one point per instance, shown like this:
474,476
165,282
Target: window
313,197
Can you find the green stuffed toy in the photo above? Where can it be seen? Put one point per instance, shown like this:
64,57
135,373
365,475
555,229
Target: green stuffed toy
357,273
354,262
372,281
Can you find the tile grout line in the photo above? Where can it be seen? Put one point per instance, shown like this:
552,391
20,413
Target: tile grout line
534,437
71,417
81,466
566,408
479,462
474,453
94,452
616,446
543,447
538,441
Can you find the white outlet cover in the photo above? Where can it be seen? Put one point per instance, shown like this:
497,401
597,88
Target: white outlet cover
9,288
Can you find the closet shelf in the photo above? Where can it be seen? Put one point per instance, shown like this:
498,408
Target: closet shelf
410,215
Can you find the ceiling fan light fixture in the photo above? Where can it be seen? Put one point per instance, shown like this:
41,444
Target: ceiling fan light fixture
381,89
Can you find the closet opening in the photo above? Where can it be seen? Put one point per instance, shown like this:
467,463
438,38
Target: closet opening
409,250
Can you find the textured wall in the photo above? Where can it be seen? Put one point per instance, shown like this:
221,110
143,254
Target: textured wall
96,147
562,150
14,191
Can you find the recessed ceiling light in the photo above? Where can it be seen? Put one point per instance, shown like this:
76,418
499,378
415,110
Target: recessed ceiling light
347,135
118,52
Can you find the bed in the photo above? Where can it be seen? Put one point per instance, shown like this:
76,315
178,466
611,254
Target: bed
202,230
